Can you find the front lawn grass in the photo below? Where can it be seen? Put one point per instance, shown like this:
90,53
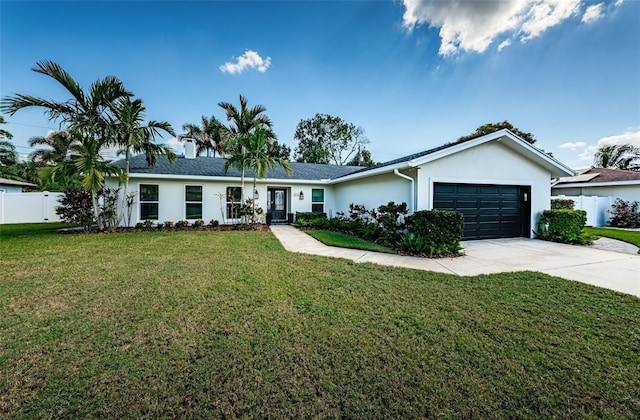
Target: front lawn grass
343,240
629,236
229,324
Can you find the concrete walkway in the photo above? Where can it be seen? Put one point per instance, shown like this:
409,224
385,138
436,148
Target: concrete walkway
611,270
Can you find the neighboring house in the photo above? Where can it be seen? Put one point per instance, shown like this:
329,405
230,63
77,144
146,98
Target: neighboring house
601,182
11,186
498,181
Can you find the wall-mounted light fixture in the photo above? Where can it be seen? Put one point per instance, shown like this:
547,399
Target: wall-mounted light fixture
301,195
256,196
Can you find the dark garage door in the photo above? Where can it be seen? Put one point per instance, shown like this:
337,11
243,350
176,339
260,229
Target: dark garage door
490,211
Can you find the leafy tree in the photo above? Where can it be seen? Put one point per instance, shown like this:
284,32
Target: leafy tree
58,143
8,155
211,135
278,150
253,154
327,139
130,135
362,158
493,127
618,156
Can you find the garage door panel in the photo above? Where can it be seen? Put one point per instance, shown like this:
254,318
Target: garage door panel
490,211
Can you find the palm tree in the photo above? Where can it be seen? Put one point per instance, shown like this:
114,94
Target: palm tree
253,154
210,136
618,156
59,143
84,111
130,135
243,123
88,165
86,115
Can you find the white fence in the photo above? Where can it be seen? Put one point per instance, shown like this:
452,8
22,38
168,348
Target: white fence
34,207
597,208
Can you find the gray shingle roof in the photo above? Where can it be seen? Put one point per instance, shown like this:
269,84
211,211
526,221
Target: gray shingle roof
207,166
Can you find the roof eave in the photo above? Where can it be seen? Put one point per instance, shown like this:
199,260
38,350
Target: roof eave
597,184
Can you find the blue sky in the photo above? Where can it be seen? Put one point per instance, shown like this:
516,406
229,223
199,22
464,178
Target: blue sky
413,74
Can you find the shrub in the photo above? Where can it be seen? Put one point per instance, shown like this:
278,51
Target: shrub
76,207
213,223
303,216
139,225
439,231
626,214
198,223
182,224
390,219
562,226
147,223
160,225
168,224
562,204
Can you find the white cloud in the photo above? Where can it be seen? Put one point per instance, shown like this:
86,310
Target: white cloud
248,60
504,44
618,3
473,25
176,145
593,13
631,137
573,146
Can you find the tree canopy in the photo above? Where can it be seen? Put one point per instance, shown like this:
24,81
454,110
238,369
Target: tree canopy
328,139
493,127
618,156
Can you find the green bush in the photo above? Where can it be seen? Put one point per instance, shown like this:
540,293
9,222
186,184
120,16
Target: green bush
562,204
562,226
303,216
626,214
213,223
440,231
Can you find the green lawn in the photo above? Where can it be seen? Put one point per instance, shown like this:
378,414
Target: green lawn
213,324
342,240
630,236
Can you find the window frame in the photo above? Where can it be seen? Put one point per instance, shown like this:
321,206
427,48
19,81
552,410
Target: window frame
315,202
147,202
228,203
188,202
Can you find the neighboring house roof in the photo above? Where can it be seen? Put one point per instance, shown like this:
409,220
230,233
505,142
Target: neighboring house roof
599,177
5,181
213,167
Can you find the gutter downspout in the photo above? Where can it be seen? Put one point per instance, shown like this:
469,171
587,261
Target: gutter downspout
413,191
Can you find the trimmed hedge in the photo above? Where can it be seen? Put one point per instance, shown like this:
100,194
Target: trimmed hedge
303,216
562,226
434,232
562,204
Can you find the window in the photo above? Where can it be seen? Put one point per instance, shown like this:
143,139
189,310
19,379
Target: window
317,200
234,201
148,202
193,201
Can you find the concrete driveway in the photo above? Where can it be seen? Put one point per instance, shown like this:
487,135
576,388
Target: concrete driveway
611,270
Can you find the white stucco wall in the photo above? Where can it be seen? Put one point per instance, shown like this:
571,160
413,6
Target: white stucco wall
489,163
172,205
10,188
624,192
372,192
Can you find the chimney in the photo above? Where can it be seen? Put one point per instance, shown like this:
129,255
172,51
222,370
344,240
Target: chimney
189,148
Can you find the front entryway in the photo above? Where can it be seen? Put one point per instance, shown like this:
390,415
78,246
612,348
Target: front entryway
490,211
277,204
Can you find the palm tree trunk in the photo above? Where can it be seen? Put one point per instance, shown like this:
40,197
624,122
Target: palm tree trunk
96,210
253,199
127,161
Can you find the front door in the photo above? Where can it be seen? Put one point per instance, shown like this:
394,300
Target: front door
277,203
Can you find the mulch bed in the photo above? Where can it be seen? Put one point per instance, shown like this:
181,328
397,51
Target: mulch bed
221,228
